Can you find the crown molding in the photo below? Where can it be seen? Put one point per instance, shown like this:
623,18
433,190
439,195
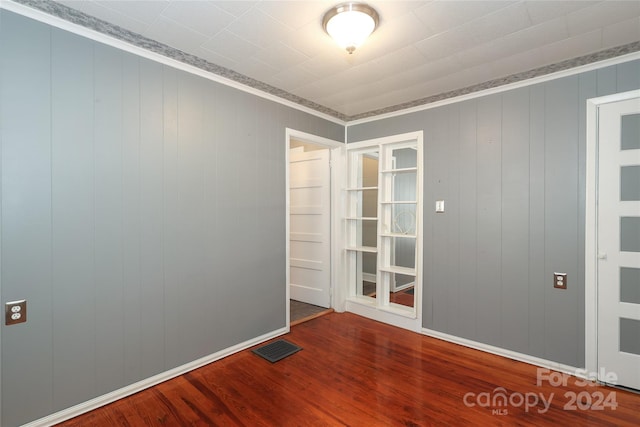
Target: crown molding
68,19
63,17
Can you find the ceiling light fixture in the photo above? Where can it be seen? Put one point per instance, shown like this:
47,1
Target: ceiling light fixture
350,24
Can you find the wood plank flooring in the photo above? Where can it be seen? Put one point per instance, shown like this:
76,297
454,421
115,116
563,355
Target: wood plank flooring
357,372
300,312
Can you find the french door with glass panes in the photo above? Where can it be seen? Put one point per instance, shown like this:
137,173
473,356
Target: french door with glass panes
383,222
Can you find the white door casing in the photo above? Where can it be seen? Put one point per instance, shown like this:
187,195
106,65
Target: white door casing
618,247
337,154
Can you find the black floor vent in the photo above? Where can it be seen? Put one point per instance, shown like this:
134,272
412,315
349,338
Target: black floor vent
277,350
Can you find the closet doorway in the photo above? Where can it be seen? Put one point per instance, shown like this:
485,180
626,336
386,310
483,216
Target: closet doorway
311,228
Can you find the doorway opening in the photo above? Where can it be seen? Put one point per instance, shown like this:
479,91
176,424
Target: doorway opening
312,199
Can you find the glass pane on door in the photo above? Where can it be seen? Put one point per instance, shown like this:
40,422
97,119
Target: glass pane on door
630,335
630,132
630,183
630,285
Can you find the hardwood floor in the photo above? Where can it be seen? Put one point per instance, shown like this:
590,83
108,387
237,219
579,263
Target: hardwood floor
357,372
300,312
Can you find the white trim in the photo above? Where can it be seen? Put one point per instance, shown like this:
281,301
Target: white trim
338,164
336,150
514,355
136,50
409,136
503,88
312,139
105,399
591,225
393,315
590,264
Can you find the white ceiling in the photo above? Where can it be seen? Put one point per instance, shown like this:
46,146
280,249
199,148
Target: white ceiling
420,49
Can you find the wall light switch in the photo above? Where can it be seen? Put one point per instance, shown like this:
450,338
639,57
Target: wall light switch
560,280
439,206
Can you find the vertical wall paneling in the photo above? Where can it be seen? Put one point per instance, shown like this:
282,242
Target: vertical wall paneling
73,205
171,211
537,271
587,89
133,216
452,210
467,225
628,76
606,82
247,215
515,219
225,187
246,209
561,226
189,292
269,161
436,188
521,211
107,135
151,308
212,305
25,123
489,217
228,195
131,219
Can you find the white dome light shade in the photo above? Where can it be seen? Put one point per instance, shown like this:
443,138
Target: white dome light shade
350,24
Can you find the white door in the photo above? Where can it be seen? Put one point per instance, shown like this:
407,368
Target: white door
618,235
310,226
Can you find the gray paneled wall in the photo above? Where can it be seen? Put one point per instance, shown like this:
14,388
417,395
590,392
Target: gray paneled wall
143,215
511,167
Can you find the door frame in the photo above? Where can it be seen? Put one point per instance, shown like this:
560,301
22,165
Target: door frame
591,226
336,162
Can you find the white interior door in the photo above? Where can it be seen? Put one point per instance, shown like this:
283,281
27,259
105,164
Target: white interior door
618,236
310,226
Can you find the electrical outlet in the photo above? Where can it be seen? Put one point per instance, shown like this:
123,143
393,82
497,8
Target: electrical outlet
15,312
560,280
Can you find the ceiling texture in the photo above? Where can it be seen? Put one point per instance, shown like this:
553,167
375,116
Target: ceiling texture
422,51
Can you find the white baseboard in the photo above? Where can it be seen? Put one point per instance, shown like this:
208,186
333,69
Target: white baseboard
105,399
521,357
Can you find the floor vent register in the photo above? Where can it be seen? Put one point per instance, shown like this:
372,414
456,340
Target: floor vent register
277,350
